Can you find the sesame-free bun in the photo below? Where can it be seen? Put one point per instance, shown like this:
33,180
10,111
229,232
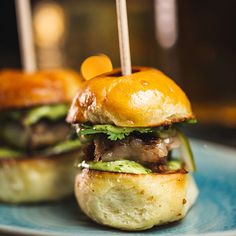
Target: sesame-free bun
147,97
38,178
134,202
19,89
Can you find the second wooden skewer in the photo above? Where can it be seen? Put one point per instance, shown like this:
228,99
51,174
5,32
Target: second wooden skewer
24,23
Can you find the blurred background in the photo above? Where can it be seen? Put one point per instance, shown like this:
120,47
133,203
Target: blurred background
192,41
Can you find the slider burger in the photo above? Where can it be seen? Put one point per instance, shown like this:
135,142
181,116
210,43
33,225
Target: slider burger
135,169
36,156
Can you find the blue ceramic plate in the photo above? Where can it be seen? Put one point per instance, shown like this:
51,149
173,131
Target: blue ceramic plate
213,214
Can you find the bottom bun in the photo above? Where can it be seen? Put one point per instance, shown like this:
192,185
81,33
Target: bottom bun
134,201
38,178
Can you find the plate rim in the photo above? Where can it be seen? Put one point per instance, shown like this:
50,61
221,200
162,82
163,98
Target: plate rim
20,231
17,230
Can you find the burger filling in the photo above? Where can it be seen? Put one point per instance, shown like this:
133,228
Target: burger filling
35,130
158,149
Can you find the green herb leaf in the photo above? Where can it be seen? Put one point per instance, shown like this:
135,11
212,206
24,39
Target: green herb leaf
118,133
112,132
9,153
51,112
187,122
191,121
63,147
174,165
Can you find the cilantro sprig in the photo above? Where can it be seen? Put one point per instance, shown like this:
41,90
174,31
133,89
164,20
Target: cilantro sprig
113,132
118,133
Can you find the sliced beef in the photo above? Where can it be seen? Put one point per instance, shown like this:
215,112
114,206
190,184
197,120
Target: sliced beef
101,146
42,134
154,150
48,133
15,135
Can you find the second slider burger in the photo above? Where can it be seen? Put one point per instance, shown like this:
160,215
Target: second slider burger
130,178
36,156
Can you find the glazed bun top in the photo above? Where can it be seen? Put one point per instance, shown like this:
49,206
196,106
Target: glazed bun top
145,98
19,89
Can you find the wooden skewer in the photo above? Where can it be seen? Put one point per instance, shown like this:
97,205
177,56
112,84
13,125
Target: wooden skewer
123,37
24,25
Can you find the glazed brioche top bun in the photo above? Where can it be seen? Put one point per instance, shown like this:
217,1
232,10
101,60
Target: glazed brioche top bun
147,97
19,89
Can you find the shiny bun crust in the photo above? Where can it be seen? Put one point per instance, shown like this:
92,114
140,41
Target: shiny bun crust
38,178
145,98
20,89
134,202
